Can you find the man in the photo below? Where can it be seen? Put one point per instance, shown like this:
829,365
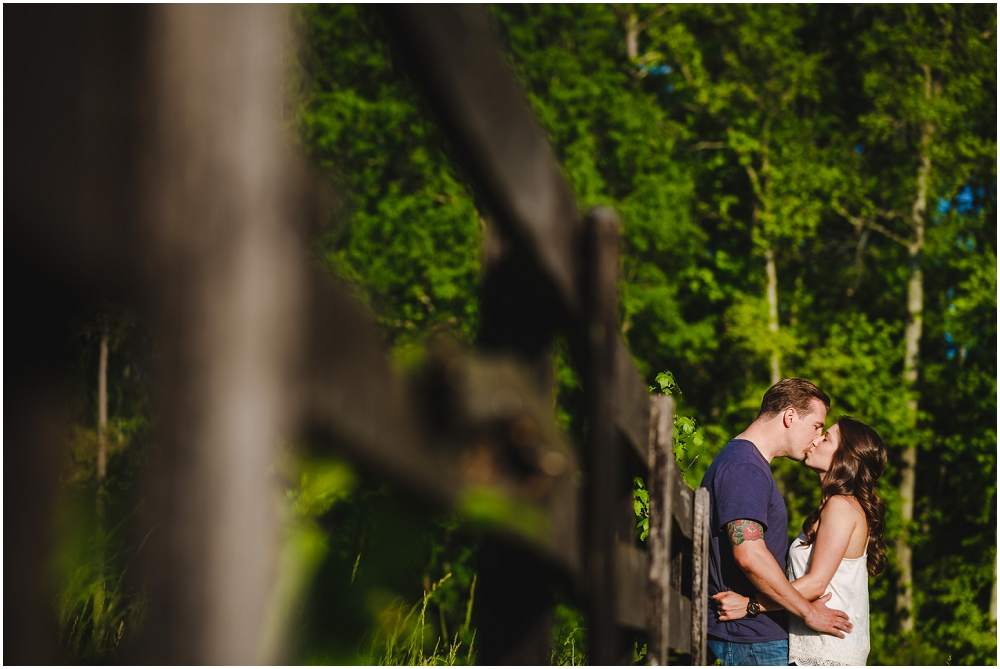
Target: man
749,528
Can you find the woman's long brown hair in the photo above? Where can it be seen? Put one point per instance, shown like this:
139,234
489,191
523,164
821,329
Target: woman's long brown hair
857,464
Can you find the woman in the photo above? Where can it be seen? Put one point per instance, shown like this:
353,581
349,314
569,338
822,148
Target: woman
839,540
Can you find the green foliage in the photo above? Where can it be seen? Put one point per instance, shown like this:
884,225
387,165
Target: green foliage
640,505
687,442
618,147
381,581
668,386
486,507
98,610
736,131
569,637
402,637
407,234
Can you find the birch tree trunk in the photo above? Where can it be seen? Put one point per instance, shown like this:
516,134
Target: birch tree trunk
914,329
761,186
632,36
772,310
102,411
102,458
993,597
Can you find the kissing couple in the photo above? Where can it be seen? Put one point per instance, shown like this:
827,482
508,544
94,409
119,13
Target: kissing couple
806,604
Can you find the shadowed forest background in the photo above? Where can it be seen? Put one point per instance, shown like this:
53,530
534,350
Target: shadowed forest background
804,191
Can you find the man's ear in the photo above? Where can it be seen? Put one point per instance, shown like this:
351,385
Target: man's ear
788,416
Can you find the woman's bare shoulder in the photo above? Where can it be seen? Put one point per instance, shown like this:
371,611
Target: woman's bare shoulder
843,505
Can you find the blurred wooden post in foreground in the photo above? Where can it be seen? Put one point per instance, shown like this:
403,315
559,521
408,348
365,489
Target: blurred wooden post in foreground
225,270
168,184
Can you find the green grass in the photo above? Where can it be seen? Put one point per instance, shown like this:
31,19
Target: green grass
404,635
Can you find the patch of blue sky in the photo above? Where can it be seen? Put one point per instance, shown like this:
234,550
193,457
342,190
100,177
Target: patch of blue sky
964,203
952,347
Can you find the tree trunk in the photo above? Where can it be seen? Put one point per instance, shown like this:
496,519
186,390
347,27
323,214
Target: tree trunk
632,36
993,597
102,461
102,408
908,464
911,363
772,310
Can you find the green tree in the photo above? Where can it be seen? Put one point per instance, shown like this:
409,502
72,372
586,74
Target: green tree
735,142
754,89
619,147
920,140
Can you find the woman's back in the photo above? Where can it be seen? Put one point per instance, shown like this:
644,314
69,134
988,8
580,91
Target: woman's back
849,593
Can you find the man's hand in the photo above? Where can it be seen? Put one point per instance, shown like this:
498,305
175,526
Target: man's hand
730,605
824,619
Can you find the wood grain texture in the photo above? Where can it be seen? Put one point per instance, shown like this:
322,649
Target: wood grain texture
632,580
660,485
699,581
605,480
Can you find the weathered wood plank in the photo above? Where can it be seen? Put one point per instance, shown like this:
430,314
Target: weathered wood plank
500,416
660,485
632,409
495,412
356,403
632,579
699,585
683,506
460,66
679,613
605,475
226,271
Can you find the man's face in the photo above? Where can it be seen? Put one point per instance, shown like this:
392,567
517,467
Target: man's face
819,455
806,428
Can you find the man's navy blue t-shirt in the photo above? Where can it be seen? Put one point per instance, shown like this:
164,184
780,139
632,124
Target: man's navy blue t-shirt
740,485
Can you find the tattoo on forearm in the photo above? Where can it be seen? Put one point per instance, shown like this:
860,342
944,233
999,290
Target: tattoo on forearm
744,530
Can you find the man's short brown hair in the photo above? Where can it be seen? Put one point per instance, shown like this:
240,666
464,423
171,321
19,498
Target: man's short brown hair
795,393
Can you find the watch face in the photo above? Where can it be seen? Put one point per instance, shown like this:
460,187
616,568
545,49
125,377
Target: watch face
753,608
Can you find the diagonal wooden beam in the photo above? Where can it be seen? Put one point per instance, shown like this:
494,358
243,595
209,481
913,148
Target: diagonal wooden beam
459,64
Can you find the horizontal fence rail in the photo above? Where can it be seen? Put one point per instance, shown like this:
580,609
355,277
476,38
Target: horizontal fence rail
460,67
255,344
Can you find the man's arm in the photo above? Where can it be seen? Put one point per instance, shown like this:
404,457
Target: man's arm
747,540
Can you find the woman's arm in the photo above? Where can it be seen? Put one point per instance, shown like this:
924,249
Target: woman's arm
837,524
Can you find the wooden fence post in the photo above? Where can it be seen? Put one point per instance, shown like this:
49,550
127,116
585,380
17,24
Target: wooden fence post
660,487
226,278
701,534
604,457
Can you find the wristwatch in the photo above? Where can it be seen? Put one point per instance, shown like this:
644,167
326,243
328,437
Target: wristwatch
753,608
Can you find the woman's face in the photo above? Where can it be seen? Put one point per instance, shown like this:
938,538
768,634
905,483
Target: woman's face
820,454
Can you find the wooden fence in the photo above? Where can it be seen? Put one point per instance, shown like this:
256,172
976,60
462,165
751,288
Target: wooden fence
193,209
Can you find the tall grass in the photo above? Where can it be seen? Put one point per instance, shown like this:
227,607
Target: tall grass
568,640
96,610
404,635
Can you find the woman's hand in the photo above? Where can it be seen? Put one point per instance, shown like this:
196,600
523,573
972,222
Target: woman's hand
730,605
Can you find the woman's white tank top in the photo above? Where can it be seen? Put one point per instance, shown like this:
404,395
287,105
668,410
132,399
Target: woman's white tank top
849,588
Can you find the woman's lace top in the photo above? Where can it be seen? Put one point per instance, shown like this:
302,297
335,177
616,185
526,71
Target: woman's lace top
849,588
